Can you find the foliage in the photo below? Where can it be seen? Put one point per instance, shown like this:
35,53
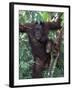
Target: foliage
25,55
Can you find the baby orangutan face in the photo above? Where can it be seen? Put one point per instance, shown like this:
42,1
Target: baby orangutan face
49,46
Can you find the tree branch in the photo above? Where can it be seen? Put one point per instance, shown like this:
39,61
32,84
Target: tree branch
54,25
